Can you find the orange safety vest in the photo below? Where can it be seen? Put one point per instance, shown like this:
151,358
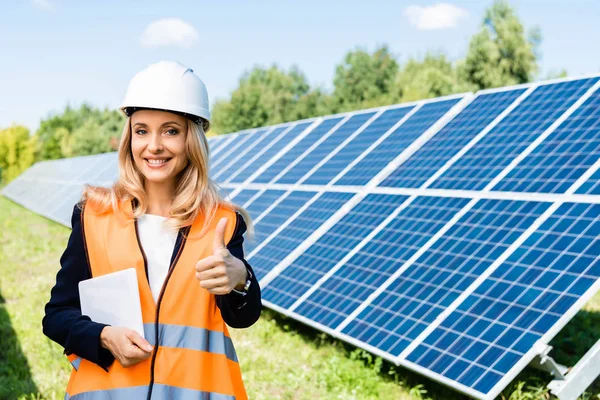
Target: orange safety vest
193,356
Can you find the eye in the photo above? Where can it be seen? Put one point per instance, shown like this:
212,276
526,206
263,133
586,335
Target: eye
140,131
172,132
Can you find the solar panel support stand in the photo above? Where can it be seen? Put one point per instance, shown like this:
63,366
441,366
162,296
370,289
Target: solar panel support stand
544,362
572,384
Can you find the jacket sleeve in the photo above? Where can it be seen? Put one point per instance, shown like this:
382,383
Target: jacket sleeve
63,321
240,311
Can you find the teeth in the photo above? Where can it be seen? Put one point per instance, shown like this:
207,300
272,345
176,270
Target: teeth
157,161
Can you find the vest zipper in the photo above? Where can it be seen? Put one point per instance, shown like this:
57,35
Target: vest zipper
156,317
137,236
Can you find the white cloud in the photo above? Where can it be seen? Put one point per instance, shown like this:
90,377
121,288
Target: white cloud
437,16
42,4
169,32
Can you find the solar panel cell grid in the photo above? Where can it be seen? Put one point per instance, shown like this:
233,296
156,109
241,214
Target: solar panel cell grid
270,150
398,141
561,158
296,279
300,228
592,185
418,296
325,147
357,146
247,147
270,222
304,144
522,299
243,196
512,135
374,263
426,161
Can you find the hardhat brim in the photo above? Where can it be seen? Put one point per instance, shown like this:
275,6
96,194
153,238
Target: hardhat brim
128,111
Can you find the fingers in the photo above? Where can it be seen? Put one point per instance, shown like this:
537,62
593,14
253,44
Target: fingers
212,273
209,284
128,346
139,341
219,241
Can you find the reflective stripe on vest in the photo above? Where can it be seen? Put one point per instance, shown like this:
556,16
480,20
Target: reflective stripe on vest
75,363
158,392
188,337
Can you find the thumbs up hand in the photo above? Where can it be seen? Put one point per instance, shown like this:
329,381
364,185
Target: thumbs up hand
221,272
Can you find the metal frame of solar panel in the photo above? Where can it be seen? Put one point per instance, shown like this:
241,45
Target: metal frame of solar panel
453,236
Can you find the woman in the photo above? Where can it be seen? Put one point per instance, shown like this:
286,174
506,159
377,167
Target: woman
164,217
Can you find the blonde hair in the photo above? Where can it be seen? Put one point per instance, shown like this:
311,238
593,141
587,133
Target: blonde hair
195,193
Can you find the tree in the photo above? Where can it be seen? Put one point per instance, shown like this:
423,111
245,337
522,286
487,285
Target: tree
434,76
264,97
364,80
500,54
16,151
77,132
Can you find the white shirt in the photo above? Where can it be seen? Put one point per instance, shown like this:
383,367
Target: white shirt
158,242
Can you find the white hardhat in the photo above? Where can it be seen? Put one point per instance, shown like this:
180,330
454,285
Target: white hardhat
168,86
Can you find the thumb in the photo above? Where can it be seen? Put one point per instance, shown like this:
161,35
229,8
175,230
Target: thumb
219,241
139,341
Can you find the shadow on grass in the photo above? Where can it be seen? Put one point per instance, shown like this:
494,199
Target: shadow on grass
580,334
15,375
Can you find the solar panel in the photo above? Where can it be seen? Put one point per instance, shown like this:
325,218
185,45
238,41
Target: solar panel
494,330
450,140
267,152
293,231
315,262
280,165
520,128
452,236
357,144
556,163
324,146
277,212
377,259
396,142
592,185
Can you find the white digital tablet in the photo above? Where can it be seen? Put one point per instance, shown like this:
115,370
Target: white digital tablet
113,299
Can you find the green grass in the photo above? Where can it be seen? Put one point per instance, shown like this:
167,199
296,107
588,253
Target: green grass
280,358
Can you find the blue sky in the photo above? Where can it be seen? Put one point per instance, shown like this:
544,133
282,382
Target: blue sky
57,52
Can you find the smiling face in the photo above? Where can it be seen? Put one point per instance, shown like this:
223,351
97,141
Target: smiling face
158,144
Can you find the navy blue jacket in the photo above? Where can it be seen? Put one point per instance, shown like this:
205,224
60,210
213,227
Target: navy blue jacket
64,324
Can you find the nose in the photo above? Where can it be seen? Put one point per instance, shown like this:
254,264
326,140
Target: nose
155,144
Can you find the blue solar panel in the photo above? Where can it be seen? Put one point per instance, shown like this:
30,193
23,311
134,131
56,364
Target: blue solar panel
418,296
374,263
262,202
252,145
325,147
396,143
323,255
270,222
561,158
270,150
218,143
512,135
311,138
243,196
220,159
300,228
426,161
357,146
494,327
592,185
